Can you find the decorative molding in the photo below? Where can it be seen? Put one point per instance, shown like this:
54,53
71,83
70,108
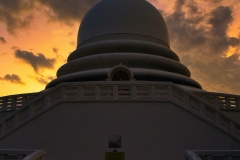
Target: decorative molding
128,36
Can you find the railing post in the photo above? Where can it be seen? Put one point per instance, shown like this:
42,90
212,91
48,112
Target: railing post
152,92
115,91
238,103
13,103
227,102
23,100
4,104
134,92
97,92
170,93
216,102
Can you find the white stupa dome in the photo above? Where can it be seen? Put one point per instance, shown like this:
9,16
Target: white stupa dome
123,16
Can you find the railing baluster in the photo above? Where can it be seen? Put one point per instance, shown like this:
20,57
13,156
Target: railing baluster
4,104
13,103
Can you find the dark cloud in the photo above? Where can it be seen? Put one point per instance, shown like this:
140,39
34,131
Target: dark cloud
55,50
2,40
44,80
16,14
67,11
233,41
38,61
220,75
220,19
12,78
201,40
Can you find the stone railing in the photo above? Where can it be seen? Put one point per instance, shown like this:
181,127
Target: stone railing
220,100
22,154
120,91
13,102
212,155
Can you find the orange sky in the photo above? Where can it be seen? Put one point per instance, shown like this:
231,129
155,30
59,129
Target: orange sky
55,39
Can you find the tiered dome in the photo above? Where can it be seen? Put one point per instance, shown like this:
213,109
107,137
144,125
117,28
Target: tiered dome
128,32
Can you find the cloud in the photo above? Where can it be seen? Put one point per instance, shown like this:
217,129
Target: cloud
67,11
38,61
2,40
12,78
55,50
16,14
44,79
200,38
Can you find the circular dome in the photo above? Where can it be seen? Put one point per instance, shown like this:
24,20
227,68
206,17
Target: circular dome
123,19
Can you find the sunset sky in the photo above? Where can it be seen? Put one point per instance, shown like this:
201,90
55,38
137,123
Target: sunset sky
36,37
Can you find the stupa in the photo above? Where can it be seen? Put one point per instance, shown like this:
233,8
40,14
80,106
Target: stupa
123,94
